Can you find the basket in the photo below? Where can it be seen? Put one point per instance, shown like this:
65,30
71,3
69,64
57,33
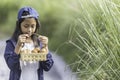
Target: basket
33,56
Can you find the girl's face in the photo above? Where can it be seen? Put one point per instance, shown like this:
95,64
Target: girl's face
28,26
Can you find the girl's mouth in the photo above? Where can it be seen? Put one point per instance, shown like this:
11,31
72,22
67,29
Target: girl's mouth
29,34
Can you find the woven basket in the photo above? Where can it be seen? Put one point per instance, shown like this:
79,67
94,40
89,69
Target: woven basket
33,56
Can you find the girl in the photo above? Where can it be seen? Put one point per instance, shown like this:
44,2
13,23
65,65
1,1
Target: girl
24,37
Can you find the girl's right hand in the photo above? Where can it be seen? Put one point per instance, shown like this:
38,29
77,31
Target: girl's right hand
22,39
20,43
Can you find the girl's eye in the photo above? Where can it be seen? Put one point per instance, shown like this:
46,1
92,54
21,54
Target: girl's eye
32,26
26,26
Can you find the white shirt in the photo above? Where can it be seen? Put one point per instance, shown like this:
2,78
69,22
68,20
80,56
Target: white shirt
29,69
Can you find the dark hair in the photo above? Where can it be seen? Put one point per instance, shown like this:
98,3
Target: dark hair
18,31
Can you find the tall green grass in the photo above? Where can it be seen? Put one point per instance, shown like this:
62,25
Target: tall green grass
98,43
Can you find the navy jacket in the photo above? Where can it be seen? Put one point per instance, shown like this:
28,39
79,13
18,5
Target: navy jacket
13,62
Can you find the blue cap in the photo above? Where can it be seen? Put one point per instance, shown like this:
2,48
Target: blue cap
32,13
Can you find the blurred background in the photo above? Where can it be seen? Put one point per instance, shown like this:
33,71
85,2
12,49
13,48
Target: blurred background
84,36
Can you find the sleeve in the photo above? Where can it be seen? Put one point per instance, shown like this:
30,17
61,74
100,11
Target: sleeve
11,58
46,65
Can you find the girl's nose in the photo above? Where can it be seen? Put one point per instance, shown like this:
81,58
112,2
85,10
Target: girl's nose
29,29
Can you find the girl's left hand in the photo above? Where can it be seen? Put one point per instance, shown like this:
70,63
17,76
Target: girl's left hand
43,39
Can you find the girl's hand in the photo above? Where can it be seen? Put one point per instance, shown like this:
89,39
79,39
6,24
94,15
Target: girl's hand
44,41
22,39
20,43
